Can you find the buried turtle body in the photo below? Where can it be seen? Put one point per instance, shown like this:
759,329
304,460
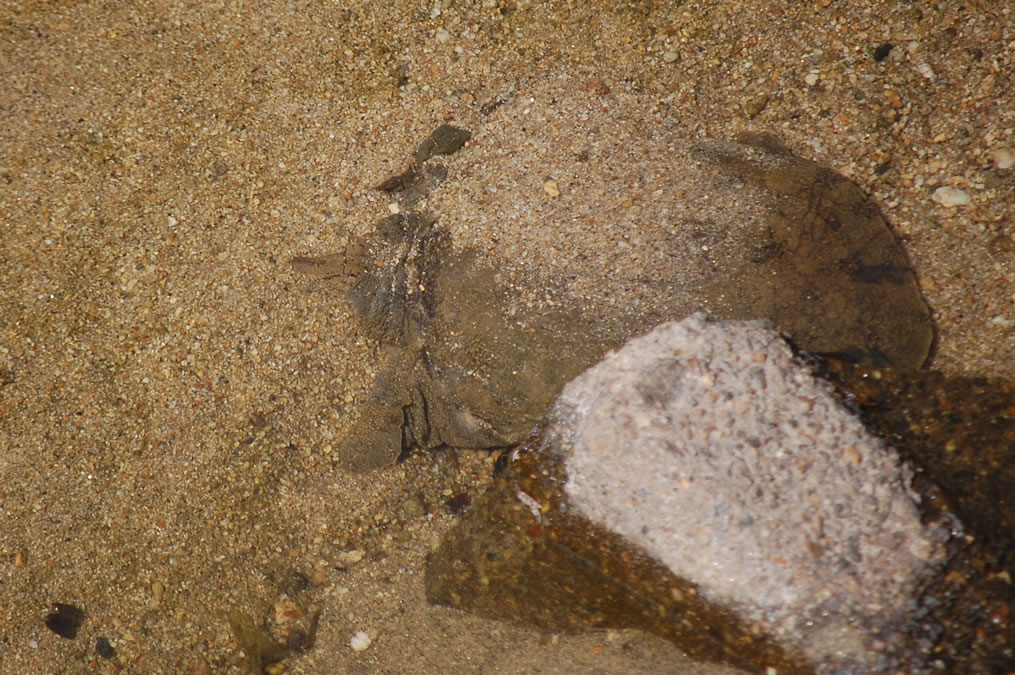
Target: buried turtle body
441,317
476,351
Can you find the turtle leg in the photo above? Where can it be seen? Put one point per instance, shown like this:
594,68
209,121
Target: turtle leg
378,438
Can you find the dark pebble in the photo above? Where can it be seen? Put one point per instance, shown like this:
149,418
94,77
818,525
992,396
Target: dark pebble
65,620
883,50
103,648
459,503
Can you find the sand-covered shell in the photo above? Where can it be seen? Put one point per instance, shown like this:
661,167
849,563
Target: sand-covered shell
477,347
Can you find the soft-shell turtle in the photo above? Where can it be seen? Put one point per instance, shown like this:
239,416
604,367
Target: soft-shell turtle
470,365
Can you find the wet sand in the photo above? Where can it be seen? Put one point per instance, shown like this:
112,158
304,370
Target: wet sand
171,392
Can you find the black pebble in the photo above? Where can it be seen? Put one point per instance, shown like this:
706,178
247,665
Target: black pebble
65,620
458,504
103,648
883,50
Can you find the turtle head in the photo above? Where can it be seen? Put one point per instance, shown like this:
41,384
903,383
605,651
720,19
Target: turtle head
385,274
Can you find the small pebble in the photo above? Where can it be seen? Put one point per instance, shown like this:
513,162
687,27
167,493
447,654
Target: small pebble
1003,158
346,559
883,50
811,78
158,593
287,612
360,641
65,620
893,98
669,57
598,87
550,188
950,196
755,105
459,503
104,648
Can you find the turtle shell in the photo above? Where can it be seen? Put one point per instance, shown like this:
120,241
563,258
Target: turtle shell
473,361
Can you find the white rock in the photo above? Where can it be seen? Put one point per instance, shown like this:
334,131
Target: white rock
360,641
708,446
950,196
1003,158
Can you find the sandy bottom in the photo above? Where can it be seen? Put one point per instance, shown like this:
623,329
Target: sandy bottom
170,392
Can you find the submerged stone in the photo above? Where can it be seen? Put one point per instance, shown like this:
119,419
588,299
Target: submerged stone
704,485
960,431
472,360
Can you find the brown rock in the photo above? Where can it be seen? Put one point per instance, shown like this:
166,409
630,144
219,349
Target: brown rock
668,494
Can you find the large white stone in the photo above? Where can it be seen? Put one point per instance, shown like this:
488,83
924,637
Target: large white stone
710,447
